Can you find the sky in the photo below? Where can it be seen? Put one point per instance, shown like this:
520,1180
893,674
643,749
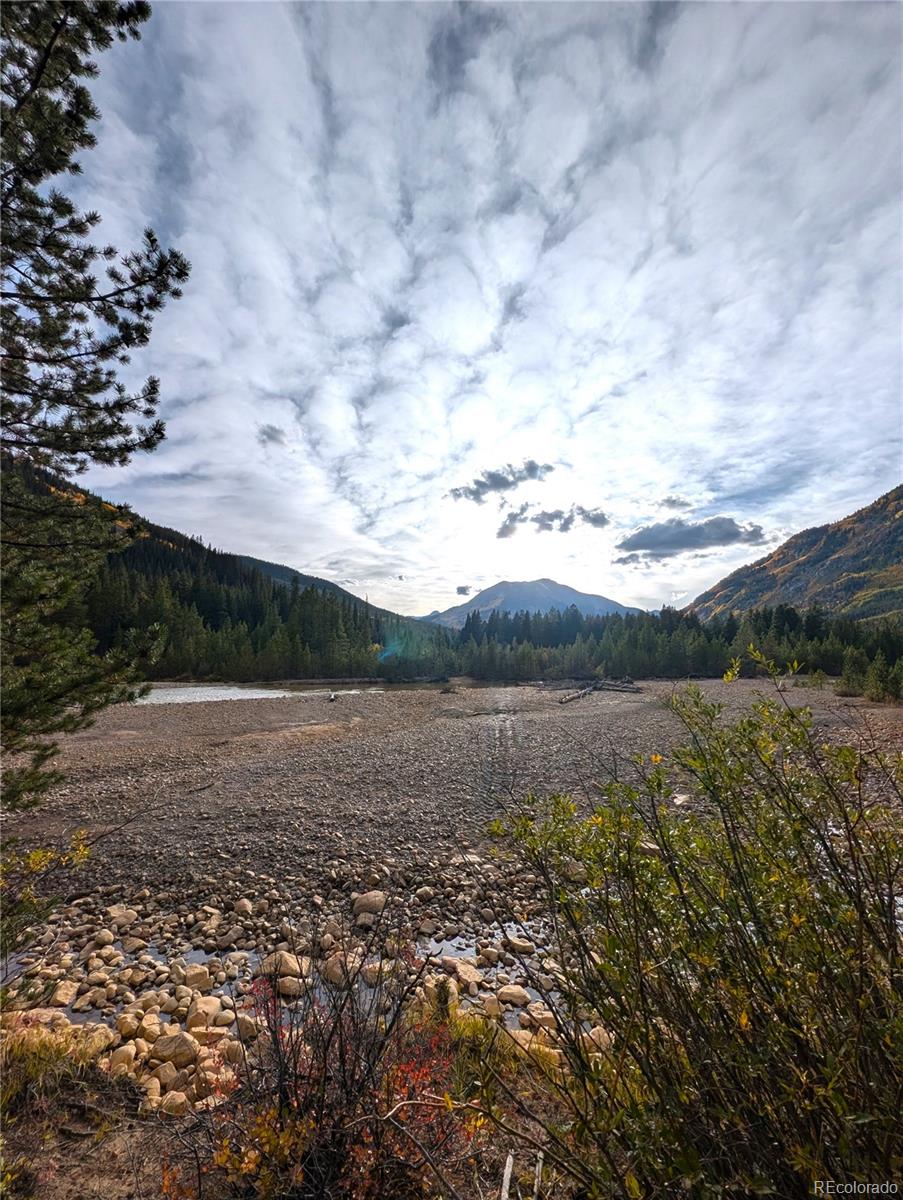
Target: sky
604,293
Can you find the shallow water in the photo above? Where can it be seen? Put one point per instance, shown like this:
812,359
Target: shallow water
196,693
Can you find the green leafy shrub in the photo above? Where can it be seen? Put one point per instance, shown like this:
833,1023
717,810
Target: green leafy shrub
739,941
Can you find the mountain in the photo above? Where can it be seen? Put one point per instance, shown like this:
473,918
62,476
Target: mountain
537,596
853,567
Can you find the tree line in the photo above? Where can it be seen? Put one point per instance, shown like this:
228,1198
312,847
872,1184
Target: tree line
224,619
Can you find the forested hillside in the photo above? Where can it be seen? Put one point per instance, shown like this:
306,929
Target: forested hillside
853,566
223,618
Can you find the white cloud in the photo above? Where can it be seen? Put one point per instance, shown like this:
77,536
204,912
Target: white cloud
428,241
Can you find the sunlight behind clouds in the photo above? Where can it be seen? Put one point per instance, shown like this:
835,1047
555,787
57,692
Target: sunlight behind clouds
658,249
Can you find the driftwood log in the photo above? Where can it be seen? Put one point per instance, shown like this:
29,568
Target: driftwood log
602,685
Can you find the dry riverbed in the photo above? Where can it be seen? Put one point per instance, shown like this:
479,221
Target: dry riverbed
227,831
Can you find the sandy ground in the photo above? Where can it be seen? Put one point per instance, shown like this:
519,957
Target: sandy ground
283,786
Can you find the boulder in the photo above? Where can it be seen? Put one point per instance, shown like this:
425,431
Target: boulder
534,1044
597,1039
247,1026
133,944
513,993
127,1024
150,1028
121,916
203,1012
369,902
370,973
197,976
174,1104
290,987
491,1006
64,993
232,1051
441,992
165,1075
123,1059
468,974
519,945
283,964
340,968
180,1049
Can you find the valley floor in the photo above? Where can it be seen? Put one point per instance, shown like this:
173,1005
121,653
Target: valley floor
286,788
222,829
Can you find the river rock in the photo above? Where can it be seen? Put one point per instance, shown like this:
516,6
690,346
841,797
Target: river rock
180,1049
174,1104
468,974
247,1026
340,968
283,964
123,1059
513,993
127,1024
290,987
369,902
197,975
64,993
202,1012
166,1075
518,944
150,1027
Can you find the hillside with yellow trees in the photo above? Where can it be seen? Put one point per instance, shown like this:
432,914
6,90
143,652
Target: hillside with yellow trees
853,567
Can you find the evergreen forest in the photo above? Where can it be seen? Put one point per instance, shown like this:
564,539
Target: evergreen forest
218,617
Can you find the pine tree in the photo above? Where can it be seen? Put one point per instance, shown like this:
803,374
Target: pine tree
63,406
895,681
877,679
855,665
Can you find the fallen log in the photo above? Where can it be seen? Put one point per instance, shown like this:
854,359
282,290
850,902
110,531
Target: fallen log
603,685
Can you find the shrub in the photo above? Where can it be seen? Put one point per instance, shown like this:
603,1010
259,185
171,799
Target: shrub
741,949
26,876
345,1093
40,1068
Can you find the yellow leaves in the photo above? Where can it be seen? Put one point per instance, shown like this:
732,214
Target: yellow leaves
743,1020
38,860
250,1161
733,671
632,1184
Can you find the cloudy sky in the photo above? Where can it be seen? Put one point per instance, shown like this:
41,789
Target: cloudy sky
609,293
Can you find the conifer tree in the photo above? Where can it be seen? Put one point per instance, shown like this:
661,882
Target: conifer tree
877,679
65,334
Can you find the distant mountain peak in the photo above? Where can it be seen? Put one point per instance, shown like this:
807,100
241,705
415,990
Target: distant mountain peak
853,566
537,595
